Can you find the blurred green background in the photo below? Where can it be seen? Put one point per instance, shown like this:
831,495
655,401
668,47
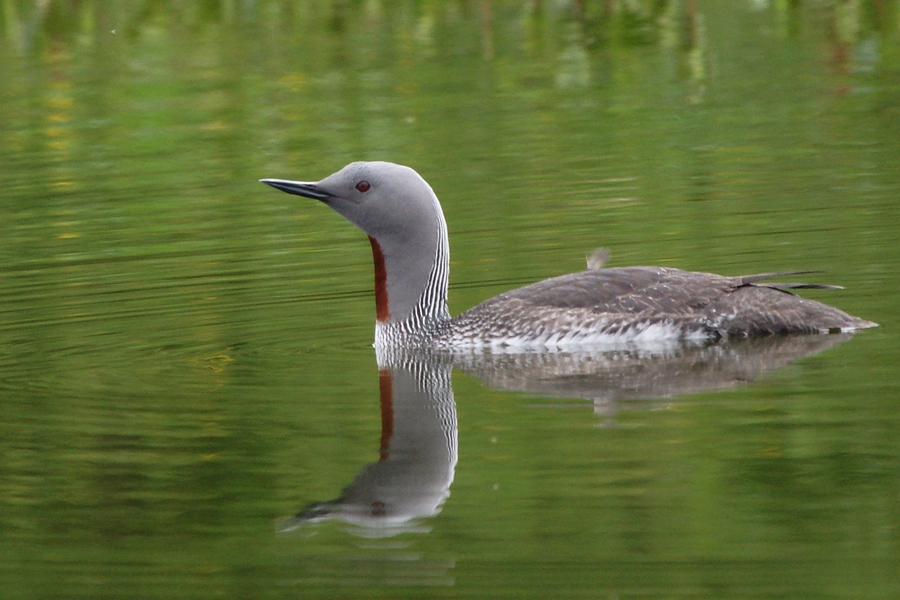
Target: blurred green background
185,353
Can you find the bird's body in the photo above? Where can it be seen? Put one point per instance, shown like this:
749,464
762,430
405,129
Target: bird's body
405,224
639,304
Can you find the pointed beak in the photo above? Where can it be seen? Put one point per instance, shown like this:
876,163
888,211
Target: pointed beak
299,188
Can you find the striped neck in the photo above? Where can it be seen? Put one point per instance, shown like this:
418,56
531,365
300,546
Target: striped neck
429,311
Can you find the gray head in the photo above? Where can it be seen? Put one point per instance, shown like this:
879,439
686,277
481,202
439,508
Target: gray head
400,213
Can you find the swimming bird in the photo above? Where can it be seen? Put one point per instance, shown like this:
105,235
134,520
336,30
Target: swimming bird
402,216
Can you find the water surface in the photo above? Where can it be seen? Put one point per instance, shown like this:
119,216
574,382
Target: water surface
185,354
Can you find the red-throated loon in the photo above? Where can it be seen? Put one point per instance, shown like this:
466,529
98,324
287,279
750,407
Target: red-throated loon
400,213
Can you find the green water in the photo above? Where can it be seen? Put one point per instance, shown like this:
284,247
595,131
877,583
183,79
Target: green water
185,354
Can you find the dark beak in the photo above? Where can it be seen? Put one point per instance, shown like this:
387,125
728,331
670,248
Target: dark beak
299,188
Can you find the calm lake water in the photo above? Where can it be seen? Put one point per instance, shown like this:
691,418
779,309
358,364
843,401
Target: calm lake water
185,354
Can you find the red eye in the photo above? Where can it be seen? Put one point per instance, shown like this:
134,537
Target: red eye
363,186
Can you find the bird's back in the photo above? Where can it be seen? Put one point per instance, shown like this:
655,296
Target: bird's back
643,304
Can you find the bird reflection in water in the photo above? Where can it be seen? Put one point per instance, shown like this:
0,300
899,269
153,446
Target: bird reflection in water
412,478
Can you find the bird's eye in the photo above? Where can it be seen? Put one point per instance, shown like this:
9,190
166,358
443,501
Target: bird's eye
363,186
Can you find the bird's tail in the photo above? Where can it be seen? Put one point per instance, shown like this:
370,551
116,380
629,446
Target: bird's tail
762,277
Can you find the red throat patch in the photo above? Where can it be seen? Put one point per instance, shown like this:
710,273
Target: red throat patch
382,313
387,411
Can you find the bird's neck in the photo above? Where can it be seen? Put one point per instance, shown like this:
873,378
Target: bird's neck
411,280
382,308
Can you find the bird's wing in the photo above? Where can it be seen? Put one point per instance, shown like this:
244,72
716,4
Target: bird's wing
629,290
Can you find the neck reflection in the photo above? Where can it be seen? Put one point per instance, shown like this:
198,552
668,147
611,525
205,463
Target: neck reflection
412,477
